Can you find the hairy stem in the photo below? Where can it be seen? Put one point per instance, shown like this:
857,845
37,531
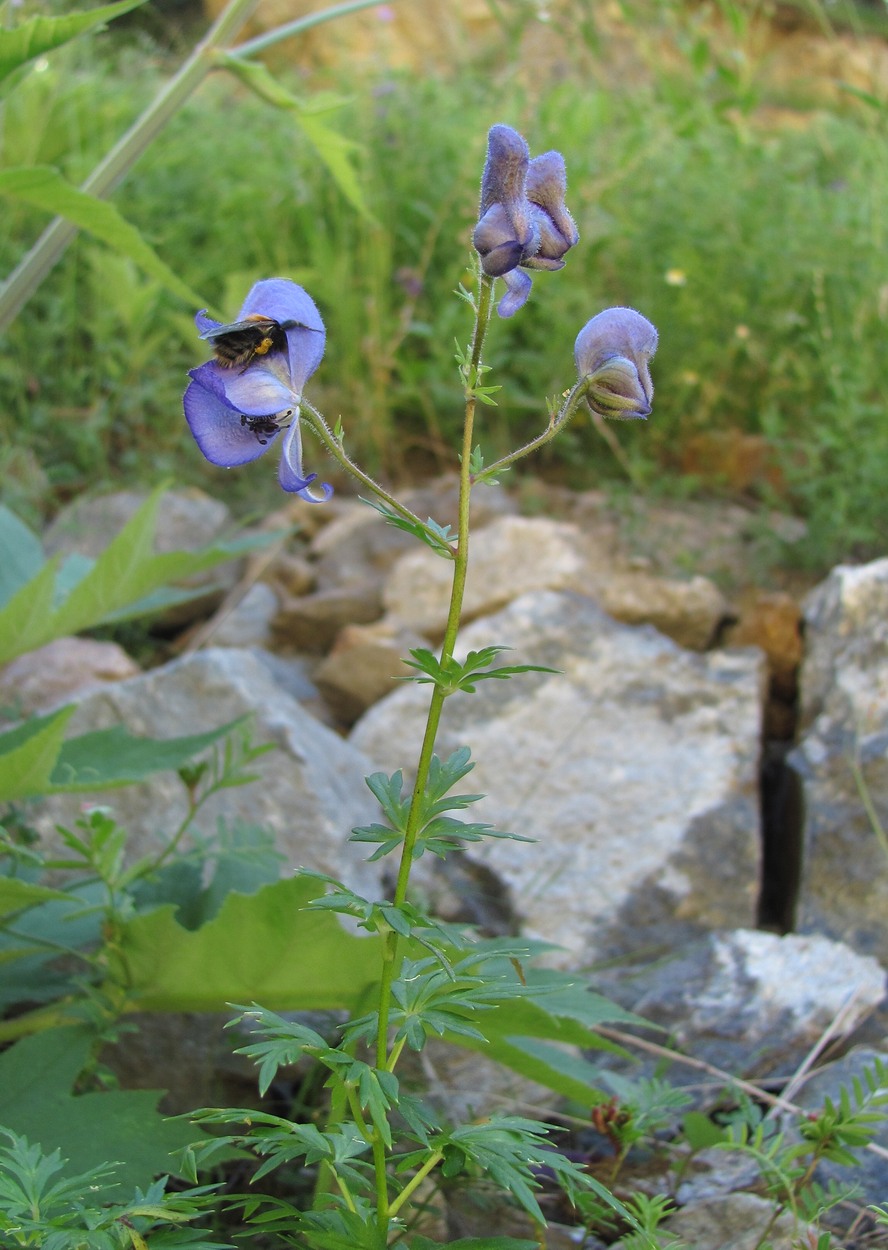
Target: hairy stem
391,950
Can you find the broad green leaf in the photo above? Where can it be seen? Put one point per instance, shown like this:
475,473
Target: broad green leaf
37,1075
127,580
21,554
17,895
28,755
334,149
44,187
128,571
26,620
259,948
264,948
109,758
38,35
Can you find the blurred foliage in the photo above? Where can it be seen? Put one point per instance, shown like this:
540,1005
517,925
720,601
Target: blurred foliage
742,218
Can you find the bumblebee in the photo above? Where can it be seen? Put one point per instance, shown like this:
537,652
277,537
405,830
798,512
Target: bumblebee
240,342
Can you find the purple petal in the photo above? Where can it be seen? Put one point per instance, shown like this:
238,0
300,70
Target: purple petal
546,188
505,170
518,284
617,332
256,390
283,300
217,427
205,323
290,473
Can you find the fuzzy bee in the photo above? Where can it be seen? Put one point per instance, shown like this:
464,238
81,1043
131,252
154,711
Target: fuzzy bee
240,342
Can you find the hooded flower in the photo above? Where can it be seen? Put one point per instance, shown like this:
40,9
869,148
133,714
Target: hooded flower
237,410
523,219
613,350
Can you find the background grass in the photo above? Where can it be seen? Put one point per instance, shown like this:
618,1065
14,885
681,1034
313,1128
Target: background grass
747,221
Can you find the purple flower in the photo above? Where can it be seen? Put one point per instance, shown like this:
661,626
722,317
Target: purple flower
248,397
612,351
523,222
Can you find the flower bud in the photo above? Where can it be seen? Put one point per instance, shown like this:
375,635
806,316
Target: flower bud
523,220
612,353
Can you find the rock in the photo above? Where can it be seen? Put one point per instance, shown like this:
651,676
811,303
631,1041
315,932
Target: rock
360,542
54,673
363,666
635,767
246,622
736,1222
773,621
508,558
309,792
514,555
750,1003
845,673
186,521
688,612
842,759
312,622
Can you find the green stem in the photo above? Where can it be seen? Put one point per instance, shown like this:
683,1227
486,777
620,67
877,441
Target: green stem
49,248
415,1181
557,422
289,29
337,451
391,948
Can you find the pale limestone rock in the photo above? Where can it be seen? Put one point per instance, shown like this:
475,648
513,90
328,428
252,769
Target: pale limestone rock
635,767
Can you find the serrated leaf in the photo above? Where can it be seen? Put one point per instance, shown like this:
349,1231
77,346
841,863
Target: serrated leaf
43,187
38,35
37,1075
246,953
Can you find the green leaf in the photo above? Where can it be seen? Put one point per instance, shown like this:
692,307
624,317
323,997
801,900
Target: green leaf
333,149
37,1075
28,755
123,582
22,554
17,895
44,187
246,954
109,758
25,618
38,35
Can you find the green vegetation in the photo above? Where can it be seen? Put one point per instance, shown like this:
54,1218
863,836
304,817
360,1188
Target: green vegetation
749,235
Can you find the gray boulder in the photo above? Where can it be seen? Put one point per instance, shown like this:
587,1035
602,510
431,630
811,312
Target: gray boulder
309,791
842,759
634,767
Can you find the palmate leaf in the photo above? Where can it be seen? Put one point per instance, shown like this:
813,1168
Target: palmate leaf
37,1075
438,537
453,675
45,188
38,35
